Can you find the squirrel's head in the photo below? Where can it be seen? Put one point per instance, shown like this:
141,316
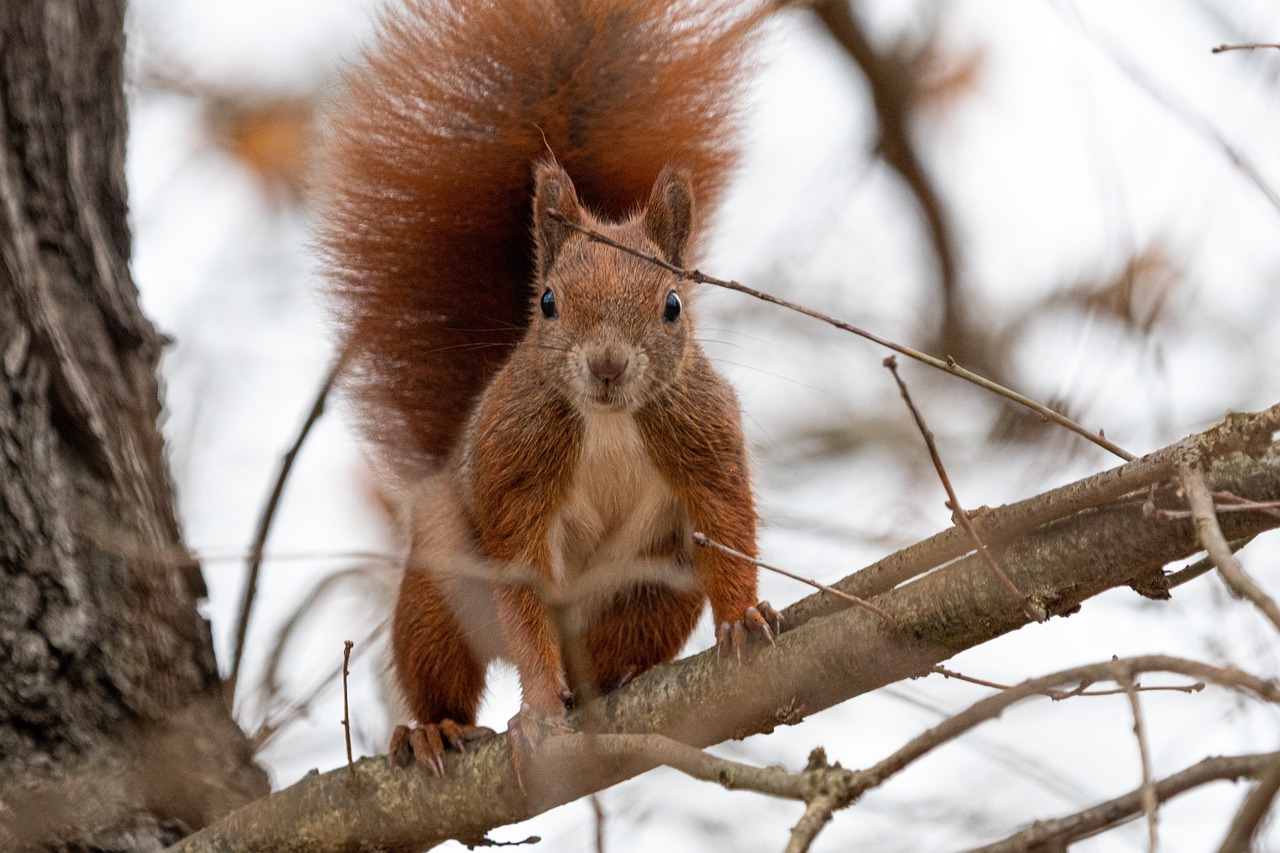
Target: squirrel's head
614,327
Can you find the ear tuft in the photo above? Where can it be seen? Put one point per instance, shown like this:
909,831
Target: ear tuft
668,217
553,192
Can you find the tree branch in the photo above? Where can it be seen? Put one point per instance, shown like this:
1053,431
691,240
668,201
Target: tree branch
699,701
1044,834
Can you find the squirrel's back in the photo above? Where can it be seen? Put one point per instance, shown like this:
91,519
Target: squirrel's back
425,209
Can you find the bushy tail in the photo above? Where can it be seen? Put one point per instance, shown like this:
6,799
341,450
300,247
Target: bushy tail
425,203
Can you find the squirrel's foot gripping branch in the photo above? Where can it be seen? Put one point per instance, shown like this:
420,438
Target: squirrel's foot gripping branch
425,745
761,622
526,730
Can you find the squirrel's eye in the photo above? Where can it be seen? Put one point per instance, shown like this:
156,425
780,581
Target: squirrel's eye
548,304
671,309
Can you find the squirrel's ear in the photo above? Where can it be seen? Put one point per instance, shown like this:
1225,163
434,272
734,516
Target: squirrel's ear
668,218
553,192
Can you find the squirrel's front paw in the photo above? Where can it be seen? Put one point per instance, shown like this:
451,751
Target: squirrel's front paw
526,730
761,621
425,745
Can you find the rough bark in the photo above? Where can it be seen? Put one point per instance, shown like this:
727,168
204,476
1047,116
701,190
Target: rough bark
113,732
1061,549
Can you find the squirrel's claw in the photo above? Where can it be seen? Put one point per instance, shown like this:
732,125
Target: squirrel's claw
525,731
425,745
760,621
458,735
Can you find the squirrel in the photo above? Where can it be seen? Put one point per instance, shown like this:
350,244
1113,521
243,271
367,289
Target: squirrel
556,426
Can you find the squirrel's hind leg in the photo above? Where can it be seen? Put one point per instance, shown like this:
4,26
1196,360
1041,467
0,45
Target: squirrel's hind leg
440,675
438,629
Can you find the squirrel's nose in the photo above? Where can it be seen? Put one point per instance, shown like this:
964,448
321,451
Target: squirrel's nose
607,368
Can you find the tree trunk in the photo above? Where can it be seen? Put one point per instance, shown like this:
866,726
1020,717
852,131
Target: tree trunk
113,731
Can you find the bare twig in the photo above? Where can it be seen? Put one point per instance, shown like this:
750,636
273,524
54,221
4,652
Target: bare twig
949,365
269,687
1057,695
823,788
346,707
654,749
1225,502
1058,833
597,810
1187,114
701,539
1235,503
271,727
206,557
1206,521
1150,802
1245,824
267,517
1203,565
993,706
1035,613
840,786
1223,48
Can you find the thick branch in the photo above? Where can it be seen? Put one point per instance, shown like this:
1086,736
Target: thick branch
702,701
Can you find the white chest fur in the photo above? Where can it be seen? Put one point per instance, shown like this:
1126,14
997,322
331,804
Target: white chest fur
620,519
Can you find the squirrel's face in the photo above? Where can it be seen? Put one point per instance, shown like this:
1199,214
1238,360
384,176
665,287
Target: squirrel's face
613,329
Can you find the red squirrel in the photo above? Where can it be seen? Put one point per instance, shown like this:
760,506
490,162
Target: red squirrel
558,429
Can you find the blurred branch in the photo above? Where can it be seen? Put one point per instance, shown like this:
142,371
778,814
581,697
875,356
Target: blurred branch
1150,799
266,519
702,700
891,79
1245,825
1222,48
1188,115
1057,834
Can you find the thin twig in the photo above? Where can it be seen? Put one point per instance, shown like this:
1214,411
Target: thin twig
597,810
1223,502
992,706
1234,503
206,557
701,539
266,732
267,517
654,749
1058,695
346,707
948,366
1187,114
1223,48
1035,613
1150,802
1201,502
844,786
1056,834
1204,565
